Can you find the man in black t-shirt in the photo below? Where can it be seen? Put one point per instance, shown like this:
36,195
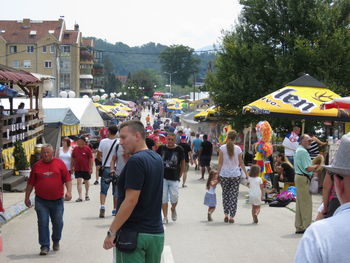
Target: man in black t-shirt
174,165
140,190
205,153
188,158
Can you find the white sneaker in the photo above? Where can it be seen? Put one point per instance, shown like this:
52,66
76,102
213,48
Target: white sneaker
173,215
165,220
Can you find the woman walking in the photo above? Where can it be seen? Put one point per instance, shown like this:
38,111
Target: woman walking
65,154
230,162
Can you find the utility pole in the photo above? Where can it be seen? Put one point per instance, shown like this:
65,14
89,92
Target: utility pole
194,85
170,78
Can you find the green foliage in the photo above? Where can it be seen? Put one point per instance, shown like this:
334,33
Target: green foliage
181,62
148,80
275,42
19,154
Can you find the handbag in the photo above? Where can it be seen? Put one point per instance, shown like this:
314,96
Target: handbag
313,187
126,240
100,171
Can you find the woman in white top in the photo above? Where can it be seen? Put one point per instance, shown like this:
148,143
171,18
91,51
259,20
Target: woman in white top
65,154
230,162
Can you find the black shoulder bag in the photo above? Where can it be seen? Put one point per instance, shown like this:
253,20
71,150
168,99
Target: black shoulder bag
100,172
126,240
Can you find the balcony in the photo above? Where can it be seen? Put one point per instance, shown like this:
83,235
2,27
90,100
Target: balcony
86,57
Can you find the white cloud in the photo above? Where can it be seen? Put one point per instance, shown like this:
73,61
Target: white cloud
195,23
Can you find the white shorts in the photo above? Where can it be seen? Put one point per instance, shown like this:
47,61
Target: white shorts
170,191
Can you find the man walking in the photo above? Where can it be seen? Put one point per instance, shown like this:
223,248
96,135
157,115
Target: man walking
139,199
303,173
82,163
174,166
205,153
328,240
47,177
105,153
188,157
196,145
291,143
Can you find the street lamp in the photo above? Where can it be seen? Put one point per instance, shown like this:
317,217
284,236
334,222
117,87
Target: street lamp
170,77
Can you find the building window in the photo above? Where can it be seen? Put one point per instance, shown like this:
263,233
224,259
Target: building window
30,49
27,63
66,49
13,49
48,64
65,80
16,64
44,49
52,49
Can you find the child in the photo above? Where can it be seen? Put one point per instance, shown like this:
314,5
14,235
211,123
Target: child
210,196
255,191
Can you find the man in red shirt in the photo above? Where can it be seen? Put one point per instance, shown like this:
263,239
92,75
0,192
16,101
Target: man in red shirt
82,163
47,177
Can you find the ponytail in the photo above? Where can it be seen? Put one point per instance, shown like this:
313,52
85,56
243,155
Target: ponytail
231,137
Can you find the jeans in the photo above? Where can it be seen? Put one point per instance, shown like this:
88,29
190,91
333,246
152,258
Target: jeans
46,209
170,191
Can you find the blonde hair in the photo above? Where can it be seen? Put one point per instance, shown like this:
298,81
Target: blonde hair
230,144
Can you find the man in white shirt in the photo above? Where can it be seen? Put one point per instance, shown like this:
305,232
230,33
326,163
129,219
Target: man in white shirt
291,143
328,240
107,145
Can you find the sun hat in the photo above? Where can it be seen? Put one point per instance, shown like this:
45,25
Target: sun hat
341,162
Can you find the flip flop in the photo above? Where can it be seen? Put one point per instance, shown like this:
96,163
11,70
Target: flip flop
87,198
79,200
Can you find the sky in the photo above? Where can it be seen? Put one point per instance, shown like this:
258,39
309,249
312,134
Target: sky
194,23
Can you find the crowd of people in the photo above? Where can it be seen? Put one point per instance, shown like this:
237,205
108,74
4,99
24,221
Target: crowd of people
145,164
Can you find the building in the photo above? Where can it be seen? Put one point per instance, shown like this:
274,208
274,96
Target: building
48,48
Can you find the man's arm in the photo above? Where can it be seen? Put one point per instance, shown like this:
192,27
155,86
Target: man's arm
29,190
113,162
182,168
68,195
124,212
99,155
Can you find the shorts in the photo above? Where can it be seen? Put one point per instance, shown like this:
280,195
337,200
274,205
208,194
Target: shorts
106,182
205,160
98,162
170,191
195,155
82,174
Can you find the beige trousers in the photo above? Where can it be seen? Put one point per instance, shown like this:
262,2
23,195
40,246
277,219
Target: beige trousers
303,213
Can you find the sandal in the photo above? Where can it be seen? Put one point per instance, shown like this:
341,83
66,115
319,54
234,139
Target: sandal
226,219
87,198
231,220
79,200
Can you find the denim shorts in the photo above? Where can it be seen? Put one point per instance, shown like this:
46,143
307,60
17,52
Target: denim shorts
170,191
104,185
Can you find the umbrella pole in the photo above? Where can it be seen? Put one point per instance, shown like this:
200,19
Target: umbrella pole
302,126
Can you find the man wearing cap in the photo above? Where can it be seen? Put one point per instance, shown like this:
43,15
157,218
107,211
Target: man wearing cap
188,157
328,240
303,173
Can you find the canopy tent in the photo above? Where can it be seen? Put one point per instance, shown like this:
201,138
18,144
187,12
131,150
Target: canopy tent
158,93
300,98
82,108
209,114
59,122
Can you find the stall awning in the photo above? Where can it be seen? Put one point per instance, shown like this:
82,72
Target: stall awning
60,116
8,74
299,99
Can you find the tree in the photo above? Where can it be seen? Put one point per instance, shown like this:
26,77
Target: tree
275,42
21,162
144,83
179,61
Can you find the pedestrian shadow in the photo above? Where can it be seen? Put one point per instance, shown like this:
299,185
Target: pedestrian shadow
25,257
292,236
248,224
214,223
105,226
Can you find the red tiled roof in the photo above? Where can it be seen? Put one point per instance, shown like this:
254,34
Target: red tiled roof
88,42
70,37
14,32
8,74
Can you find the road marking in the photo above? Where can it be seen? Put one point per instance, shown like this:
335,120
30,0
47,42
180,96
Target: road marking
167,255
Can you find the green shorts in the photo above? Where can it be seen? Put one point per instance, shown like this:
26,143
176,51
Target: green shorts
149,250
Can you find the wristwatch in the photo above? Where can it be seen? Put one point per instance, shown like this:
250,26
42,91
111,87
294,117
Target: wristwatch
111,234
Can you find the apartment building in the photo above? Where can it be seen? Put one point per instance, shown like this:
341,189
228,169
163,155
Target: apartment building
43,47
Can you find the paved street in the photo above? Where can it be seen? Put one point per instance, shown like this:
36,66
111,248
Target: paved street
191,239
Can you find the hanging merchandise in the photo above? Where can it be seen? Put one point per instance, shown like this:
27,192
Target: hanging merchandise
263,148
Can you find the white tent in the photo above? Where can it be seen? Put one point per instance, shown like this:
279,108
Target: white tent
83,109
